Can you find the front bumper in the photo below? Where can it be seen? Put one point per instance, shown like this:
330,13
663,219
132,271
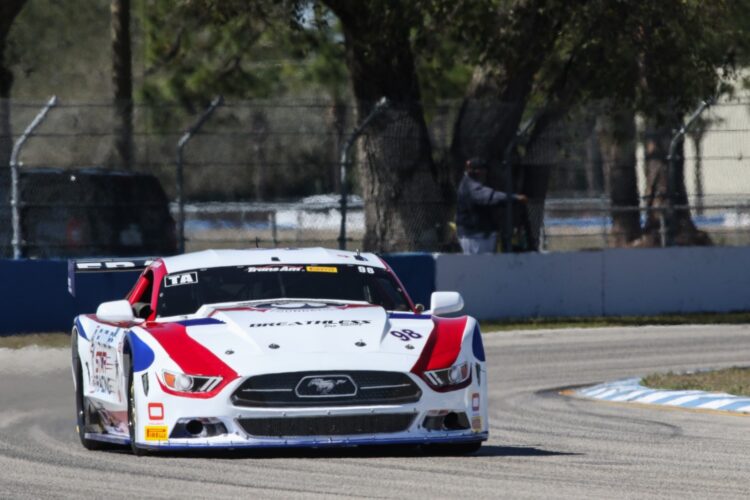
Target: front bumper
470,402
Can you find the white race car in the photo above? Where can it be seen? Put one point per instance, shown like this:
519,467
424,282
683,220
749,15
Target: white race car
276,348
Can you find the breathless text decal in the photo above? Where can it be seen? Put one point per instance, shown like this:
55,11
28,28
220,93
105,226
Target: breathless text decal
321,322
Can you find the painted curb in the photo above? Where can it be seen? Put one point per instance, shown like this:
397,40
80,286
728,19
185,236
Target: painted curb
631,391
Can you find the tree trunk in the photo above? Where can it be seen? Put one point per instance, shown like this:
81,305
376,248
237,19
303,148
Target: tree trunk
335,118
489,117
122,80
616,134
696,135
9,9
403,200
659,219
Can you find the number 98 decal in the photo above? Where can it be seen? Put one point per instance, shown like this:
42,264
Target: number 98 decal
406,335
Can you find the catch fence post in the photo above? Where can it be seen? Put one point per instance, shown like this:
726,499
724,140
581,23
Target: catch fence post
344,162
192,130
15,165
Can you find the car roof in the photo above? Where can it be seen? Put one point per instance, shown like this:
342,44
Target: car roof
271,256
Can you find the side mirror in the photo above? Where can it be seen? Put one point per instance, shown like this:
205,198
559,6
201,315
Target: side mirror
116,311
445,302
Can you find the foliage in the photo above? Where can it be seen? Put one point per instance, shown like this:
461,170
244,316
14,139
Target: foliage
198,49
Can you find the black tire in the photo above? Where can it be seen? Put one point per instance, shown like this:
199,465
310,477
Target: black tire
132,417
83,417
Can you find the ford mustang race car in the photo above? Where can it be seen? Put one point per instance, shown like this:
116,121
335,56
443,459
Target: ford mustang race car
276,348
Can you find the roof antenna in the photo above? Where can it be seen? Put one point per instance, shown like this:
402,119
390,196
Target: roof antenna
359,256
257,242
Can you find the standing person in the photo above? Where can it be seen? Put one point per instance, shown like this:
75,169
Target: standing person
476,227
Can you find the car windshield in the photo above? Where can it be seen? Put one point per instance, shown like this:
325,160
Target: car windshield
185,292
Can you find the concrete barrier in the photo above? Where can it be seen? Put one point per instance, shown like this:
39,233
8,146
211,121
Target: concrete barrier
617,282
34,293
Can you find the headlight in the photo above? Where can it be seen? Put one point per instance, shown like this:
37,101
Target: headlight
449,379
189,383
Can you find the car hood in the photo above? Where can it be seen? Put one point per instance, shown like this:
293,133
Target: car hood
297,336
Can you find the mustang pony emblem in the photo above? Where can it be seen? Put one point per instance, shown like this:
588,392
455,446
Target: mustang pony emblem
325,385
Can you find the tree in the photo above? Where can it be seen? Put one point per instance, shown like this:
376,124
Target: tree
122,81
404,204
9,9
658,59
526,55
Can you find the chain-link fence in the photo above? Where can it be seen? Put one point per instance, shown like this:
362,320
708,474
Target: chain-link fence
269,174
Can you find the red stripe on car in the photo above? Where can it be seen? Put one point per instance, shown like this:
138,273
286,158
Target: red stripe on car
191,356
443,345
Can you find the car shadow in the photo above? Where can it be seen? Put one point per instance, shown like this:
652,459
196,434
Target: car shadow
364,452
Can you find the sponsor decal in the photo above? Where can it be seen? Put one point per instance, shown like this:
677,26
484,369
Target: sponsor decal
156,432
122,264
475,401
476,424
325,323
274,269
316,386
321,269
291,306
180,279
155,411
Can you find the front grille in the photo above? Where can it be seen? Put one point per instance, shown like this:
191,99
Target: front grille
327,426
284,389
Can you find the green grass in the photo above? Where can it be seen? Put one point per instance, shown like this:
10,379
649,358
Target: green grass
735,380
59,339
735,318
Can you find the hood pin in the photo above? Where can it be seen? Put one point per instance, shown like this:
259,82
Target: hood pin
409,346
273,346
360,343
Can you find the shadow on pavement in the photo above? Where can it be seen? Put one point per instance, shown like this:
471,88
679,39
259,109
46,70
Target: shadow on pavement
358,452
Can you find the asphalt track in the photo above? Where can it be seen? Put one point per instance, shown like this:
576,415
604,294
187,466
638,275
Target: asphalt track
542,444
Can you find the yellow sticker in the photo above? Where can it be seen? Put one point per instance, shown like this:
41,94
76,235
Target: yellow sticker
476,424
321,269
156,433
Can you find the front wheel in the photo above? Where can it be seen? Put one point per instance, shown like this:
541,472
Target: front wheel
83,415
132,413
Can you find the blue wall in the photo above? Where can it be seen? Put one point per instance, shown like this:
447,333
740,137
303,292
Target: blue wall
34,295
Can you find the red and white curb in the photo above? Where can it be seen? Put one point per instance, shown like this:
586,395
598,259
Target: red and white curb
631,391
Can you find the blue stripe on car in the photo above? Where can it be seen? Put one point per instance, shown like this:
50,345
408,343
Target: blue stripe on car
79,327
200,321
143,355
477,344
409,316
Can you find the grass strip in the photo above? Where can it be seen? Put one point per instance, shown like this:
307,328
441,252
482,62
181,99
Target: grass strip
735,380
57,339
734,318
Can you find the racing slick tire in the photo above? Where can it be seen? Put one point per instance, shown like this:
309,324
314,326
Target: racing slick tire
83,416
132,414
